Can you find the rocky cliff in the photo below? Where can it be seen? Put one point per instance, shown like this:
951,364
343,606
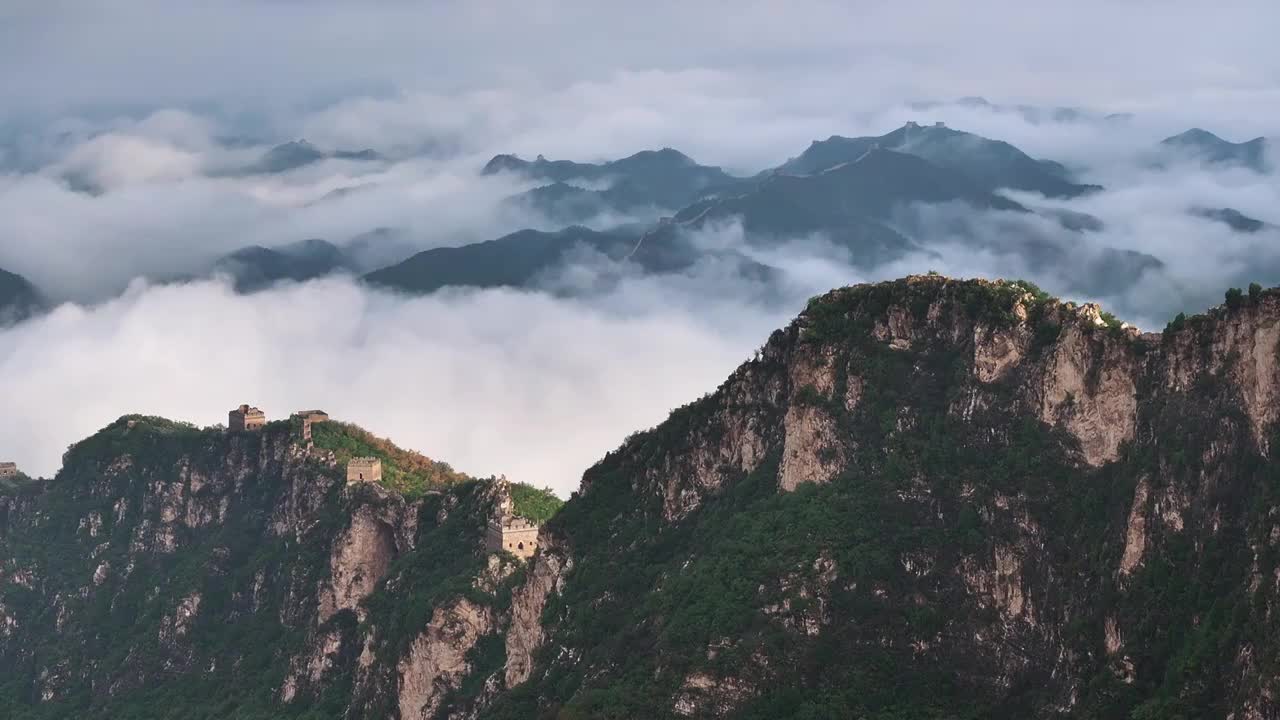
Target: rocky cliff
170,571
924,498
936,498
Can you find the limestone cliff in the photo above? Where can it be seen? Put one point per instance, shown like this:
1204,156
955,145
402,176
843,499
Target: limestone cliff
937,498
172,571
924,498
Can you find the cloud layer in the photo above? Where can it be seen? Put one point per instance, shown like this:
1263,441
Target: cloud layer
493,382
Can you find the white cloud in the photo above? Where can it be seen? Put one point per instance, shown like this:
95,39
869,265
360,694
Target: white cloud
493,382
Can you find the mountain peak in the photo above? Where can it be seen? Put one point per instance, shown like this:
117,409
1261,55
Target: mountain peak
1205,147
991,164
663,157
505,162
1194,136
913,488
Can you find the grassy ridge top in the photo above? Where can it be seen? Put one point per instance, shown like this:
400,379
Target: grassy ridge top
405,471
412,474
535,504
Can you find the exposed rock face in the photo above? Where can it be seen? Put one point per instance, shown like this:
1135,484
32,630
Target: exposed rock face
1047,485
703,695
1093,397
525,635
927,498
243,559
811,451
1135,535
362,554
437,659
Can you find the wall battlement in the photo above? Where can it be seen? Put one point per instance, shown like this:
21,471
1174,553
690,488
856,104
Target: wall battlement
308,417
513,523
364,469
246,418
508,531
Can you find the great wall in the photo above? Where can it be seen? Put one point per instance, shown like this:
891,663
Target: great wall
506,531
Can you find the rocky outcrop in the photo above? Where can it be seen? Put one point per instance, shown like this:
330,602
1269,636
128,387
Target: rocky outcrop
437,659
704,695
243,553
1135,533
1040,469
1090,388
924,498
812,451
380,529
526,634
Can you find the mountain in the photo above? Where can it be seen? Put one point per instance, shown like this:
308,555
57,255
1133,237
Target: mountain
212,561
648,180
524,258
19,299
1207,148
861,206
1230,217
927,498
562,202
991,164
853,204
300,153
850,204
935,499
256,268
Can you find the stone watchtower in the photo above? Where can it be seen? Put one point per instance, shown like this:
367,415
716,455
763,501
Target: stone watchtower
245,418
508,532
8,469
308,417
364,469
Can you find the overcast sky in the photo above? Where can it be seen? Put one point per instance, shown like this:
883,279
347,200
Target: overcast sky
139,97
1123,53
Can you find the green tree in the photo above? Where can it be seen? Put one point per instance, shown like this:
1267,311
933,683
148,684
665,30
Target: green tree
1255,293
1235,298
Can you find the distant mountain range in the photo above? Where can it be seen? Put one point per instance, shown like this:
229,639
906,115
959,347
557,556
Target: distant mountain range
853,192
859,193
850,204
514,260
19,299
990,164
856,203
1204,147
646,182
1232,218
528,257
300,153
256,268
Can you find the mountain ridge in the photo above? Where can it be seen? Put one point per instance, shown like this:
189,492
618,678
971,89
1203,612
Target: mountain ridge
993,164
922,498
19,298
1205,147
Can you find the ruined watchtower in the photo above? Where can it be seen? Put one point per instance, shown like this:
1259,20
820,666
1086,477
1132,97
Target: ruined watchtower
506,531
364,469
246,418
8,469
308,417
